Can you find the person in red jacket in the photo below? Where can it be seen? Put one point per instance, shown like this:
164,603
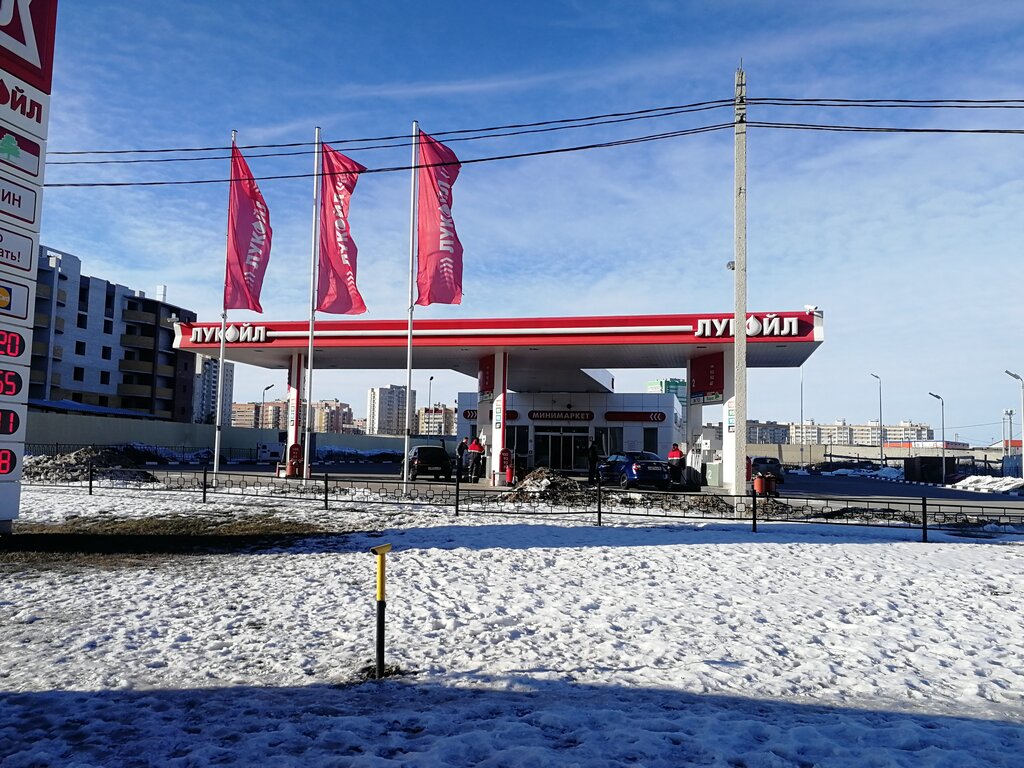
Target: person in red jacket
476,455
675,464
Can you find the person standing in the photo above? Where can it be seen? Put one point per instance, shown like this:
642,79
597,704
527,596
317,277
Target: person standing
675,464
593,455
476,455
460,458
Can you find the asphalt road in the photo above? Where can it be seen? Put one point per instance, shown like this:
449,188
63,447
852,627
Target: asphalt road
795,485
865,487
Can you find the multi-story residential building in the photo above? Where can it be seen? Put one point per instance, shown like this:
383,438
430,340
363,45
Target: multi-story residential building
204,400
274,415
675,386
838,433
767,432
245,415
436,420
331,416
841,433
267,415
106,348
385,410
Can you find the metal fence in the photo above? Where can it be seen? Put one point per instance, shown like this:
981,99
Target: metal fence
203,455
595,503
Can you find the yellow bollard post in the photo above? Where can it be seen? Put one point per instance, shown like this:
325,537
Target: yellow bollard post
380,551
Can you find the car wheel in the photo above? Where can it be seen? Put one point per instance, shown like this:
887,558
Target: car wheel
624,483
412,476
448,477
436,478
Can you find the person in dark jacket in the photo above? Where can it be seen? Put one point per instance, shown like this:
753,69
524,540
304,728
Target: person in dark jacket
593,455
476,455
675,464
460,457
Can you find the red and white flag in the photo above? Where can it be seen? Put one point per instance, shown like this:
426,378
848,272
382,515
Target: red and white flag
336,290
439,273
249,236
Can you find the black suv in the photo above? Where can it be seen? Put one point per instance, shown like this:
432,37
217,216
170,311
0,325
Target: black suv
430,460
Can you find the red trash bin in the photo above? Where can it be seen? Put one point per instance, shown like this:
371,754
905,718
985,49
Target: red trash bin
759,484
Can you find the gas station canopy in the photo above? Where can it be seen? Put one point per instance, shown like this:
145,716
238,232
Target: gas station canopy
545,353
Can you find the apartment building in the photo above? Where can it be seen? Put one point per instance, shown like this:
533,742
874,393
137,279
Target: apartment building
385,410
437,420
204,399
102,347
841,433
676,386
332,416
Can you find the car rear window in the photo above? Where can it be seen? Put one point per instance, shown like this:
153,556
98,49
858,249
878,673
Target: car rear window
431,453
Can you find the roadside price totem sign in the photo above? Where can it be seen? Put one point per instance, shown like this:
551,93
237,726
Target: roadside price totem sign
27,30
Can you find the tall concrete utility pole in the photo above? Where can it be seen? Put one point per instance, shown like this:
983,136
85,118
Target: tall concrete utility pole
740,289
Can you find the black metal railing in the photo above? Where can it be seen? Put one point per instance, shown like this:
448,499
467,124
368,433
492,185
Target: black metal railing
589,503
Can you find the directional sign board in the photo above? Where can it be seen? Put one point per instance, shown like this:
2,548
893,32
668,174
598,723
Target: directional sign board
18,252
17,302
27,32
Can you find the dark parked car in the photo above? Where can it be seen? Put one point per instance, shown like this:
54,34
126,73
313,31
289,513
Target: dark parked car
631,469
430,460
767,465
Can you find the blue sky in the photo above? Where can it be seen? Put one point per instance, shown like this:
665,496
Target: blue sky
911,244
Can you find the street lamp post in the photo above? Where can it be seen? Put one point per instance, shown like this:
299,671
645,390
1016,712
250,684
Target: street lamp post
1021,382
430,403
881,441
263,402
942,411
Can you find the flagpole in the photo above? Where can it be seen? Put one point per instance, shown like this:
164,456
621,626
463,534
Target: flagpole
412,264
314,264
223,330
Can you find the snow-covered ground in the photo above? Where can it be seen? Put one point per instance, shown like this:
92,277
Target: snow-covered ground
523,643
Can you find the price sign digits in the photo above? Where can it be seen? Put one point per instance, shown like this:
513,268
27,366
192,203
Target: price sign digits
9,421
8,461
10,383
12,344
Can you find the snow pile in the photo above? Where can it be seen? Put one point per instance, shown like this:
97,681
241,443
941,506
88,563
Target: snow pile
544,484
121,464
889,473
518,644
989,484
884,473
341,453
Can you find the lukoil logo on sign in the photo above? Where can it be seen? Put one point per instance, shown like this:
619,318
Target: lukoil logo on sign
26,40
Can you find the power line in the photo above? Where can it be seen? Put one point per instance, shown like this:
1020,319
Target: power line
470,161
892,103
651,111
680,111
584,147
561,121
881,129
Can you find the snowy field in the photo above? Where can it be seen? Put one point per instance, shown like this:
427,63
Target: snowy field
519,643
